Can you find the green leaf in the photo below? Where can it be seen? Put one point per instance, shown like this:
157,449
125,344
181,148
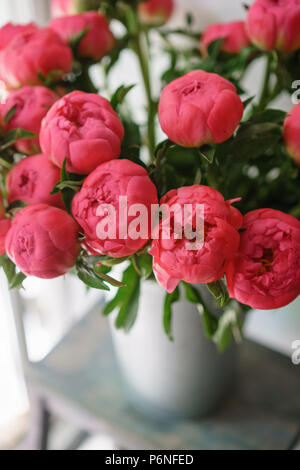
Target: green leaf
214,48
77,38
14,279
130,300
219,291
112,305
102,269
181,158
51,78
10,114
189,19
167,318
110,280
61,185
131,144
5,164
229,325
91,260
146,263
14,135
67,186
207,152
275,116
248,101
9,268
64,176
91,279
210,323
119,96
16,205
17,281
126,300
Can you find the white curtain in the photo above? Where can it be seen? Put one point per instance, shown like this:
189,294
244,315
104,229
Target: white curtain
24,11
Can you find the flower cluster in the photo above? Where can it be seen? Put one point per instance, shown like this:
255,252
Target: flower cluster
79,190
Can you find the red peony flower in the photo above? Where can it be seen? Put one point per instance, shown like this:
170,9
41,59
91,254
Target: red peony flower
104,186
274,24
4,228
31,106
84,129
98,39
194,109
173,257
155,12
234,35
32,54
10,30
32,181
265,273
42,241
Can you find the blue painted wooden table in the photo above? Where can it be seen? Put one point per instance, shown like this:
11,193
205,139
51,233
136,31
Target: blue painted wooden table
80,380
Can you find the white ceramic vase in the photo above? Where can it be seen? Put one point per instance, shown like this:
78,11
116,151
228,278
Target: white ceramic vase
181,379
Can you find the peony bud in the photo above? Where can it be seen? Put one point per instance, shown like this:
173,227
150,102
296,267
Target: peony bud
84,129
32,181
98,39
31,56
155,12
274,24
199,108
234,35
31,106
42,241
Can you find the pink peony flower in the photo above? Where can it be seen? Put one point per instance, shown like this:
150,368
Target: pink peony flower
109,182
173,260
234,35
98,39
291,133
266,271
72,7
10,30
83,128
32,181
199,108
32,105
61,8
274,24
155,12
31,54
42,241
4,228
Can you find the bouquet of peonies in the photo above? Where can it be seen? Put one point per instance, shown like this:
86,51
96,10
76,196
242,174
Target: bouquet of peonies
217,202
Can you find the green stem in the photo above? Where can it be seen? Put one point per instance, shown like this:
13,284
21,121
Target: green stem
84,82
267,95
144,66
212,177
